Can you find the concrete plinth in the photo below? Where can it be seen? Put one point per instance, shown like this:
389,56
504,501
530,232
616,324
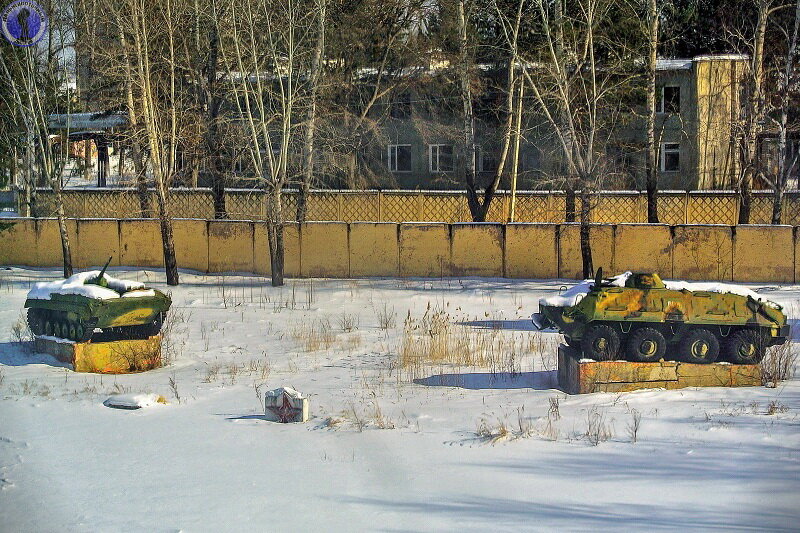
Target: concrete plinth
113,357
576,377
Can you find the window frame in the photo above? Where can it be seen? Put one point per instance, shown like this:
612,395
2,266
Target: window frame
672,148
480,160
662,100
438,169
396,159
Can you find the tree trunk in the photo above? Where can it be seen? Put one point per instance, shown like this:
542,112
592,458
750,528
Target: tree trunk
652,149
569,201
136,149
777,204
275,236
476,209
170,263
144,196
515,159
214,103
754,113
311,115
586,245
784,169
66,252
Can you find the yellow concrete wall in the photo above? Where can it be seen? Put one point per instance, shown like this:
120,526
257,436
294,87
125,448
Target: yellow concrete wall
752,254
98,239
476,250
18,242
374,250
531,251
48,241
191,243
763,253
324,250
424,250
230,246
702,253
291,250
140,243
643,247
570,263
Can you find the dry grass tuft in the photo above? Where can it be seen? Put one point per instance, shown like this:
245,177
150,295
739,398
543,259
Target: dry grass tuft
433,340
314,336
778,364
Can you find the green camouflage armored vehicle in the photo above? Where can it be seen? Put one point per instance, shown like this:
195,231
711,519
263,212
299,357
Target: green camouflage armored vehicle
636,316
73,308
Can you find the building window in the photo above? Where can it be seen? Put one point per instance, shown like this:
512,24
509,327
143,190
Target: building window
399,157
400,106
485,161
531,159
670,157
670,101
440,157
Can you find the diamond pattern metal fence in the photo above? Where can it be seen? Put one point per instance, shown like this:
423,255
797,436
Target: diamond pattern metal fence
608,207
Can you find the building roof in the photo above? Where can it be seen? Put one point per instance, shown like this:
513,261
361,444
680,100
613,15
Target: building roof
86,121
686,64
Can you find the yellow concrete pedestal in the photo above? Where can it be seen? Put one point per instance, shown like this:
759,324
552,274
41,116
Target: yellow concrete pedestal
114,357
576,377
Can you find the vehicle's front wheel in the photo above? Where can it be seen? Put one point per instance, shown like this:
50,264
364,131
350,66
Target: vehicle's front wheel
600,342
745,347
699,346
646,345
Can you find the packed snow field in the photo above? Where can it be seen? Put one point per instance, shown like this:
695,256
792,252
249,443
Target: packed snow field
433,406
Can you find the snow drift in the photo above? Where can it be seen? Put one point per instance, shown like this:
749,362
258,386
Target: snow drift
573,295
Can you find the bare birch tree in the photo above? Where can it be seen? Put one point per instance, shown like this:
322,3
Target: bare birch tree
37,83
265,57
150,40
651,166
581,91
787,80
754,110
320,12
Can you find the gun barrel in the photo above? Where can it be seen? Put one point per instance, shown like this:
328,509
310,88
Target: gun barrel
102,272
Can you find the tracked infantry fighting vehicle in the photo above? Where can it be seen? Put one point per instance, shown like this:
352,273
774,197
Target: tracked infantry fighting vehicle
75,307
637,317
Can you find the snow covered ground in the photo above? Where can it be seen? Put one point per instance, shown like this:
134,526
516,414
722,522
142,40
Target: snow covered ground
387,447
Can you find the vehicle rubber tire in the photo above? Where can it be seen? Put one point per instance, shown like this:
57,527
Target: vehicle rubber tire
745,347
646,345
600,342
699,346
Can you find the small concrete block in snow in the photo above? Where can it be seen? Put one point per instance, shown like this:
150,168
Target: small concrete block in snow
285,404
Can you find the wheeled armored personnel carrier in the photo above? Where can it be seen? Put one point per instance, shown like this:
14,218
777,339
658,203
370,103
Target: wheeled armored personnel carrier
75,307
636,316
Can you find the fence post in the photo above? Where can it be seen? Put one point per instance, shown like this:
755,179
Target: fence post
339,206
380,206
737,206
